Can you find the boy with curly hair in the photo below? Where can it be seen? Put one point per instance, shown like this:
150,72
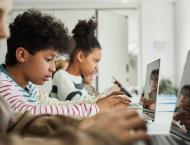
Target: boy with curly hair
35,41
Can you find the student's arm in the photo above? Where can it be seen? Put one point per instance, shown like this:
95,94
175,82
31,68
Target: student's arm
71,107
20,103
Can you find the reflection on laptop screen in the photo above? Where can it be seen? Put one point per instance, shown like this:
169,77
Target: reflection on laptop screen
151,89
182,111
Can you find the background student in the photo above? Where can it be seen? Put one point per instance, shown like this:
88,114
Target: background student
84,61
62,63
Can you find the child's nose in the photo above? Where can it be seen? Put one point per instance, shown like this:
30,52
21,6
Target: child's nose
96,67
53,68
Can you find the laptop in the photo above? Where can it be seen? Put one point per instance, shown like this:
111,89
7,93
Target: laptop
150,92
178,134
161,112
145,104
183,103
147,112
134,104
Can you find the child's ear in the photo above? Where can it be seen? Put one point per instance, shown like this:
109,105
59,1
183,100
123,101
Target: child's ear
21,54
80,56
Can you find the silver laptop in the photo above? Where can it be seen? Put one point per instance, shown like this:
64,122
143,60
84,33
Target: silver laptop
183,103
163,108
178,134
149,93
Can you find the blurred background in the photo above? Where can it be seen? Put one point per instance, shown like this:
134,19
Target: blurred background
132,34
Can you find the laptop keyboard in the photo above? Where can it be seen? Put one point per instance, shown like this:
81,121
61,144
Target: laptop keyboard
166,140
146,117
180,133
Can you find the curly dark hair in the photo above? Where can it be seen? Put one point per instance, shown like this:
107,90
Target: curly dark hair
185,91
35,31
84,36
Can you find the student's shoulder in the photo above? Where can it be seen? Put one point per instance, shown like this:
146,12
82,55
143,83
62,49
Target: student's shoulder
6,81
3,74
60,74
4,77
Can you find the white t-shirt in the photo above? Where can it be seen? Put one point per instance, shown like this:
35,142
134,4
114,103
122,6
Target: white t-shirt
69,87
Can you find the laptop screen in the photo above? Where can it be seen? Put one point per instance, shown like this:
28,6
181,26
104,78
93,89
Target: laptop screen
150,91
181,118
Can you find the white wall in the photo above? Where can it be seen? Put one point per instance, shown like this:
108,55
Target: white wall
157,38
71,17
112,34
133,47
3,46
133,44
182,38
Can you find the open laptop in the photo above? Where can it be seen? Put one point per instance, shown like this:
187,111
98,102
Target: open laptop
162,109
145,104
177,134
183,103
149,94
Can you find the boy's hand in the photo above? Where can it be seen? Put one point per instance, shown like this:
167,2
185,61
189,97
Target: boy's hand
184,119
112,101
123,123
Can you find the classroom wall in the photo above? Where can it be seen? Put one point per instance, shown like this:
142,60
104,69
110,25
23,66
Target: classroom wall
3,47
132,46
113,37
157,38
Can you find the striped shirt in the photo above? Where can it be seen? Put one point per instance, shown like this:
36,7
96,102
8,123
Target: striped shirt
31,99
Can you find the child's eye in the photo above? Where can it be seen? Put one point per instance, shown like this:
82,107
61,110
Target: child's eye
48,59
96,60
